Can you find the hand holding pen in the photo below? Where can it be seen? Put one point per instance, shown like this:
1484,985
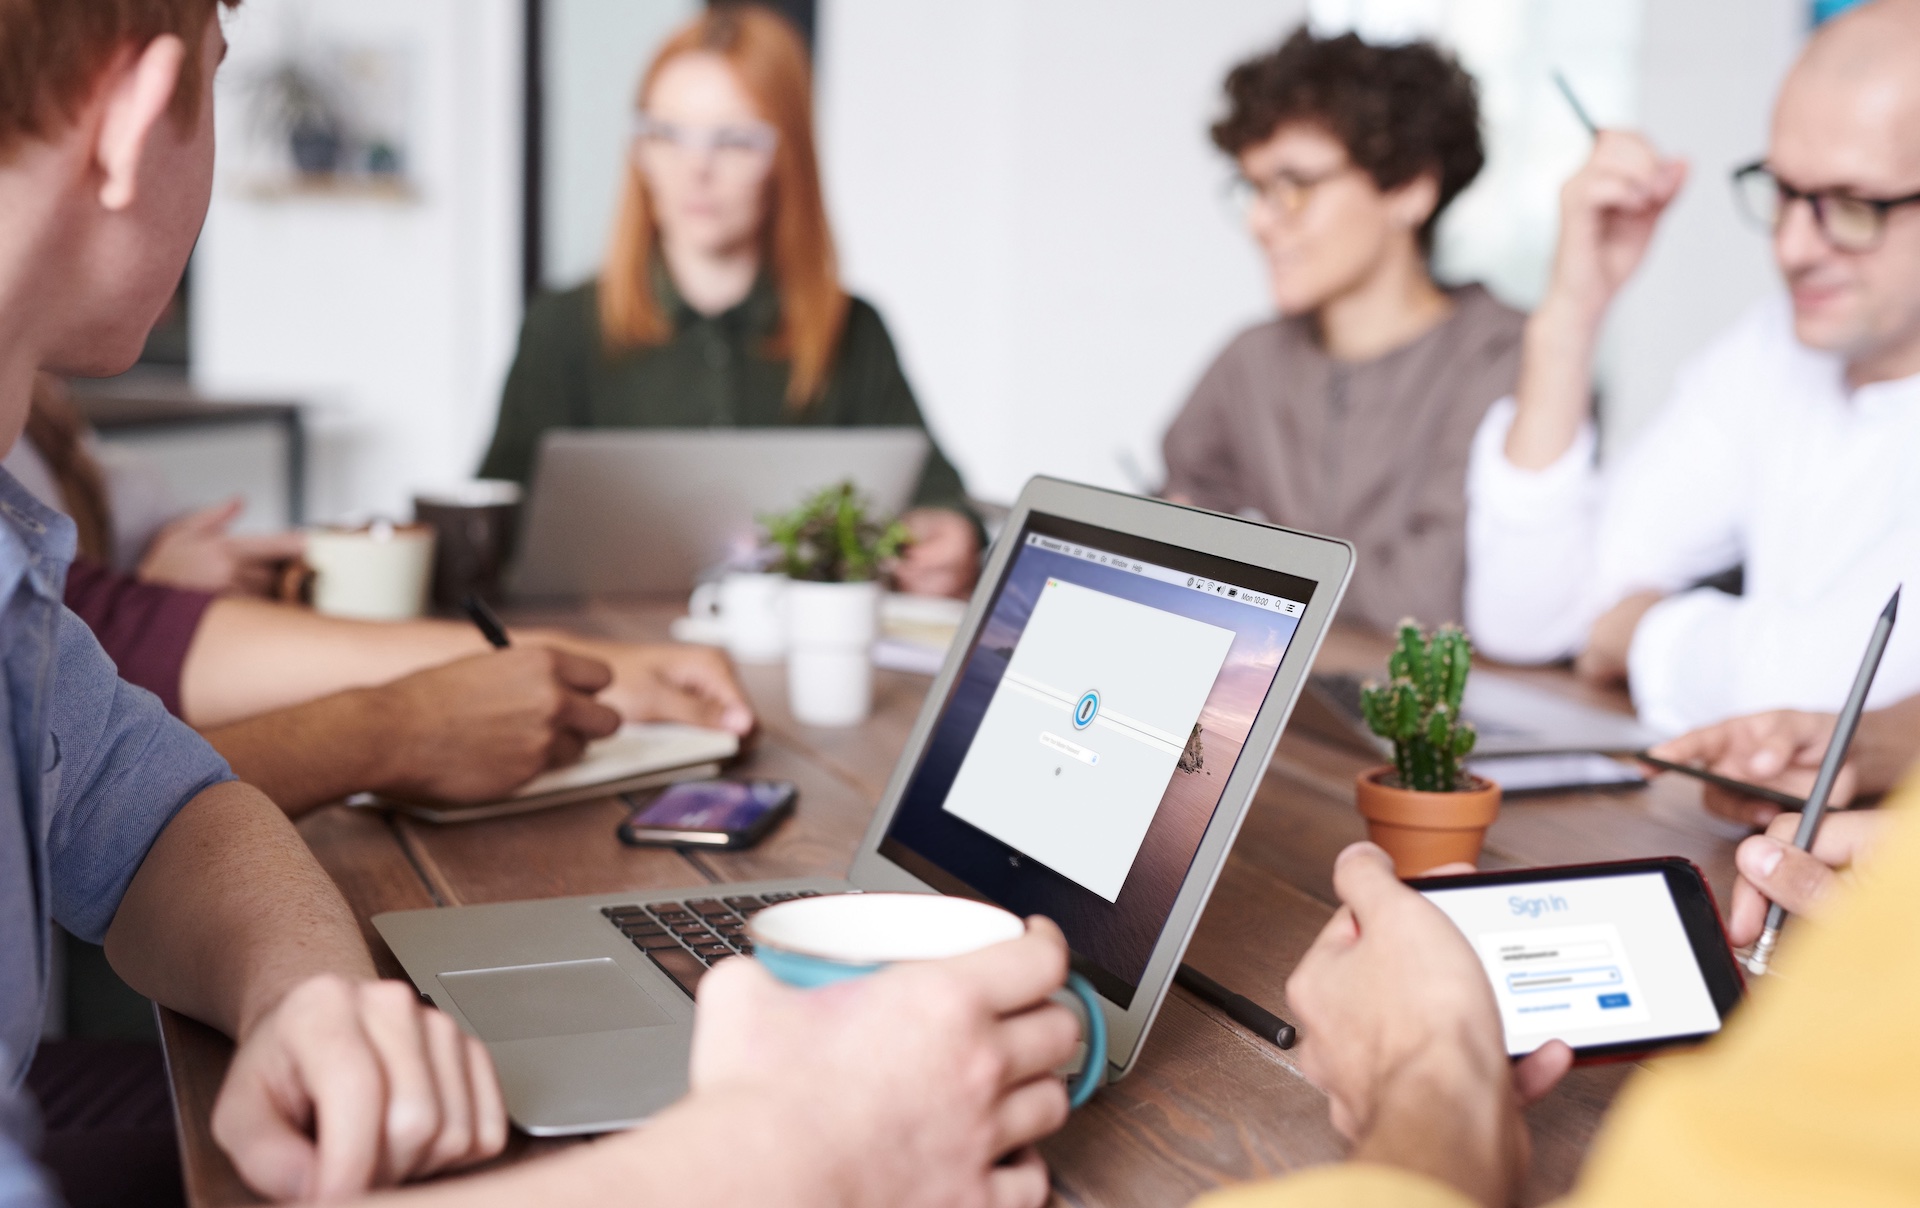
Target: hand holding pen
1808,822
1774,871
1609,210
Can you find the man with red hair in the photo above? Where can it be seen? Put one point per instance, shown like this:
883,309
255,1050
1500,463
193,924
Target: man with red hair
121,824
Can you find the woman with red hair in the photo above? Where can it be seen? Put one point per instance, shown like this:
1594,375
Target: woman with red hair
720,303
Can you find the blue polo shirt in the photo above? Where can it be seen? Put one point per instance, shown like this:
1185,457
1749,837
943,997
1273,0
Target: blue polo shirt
91,771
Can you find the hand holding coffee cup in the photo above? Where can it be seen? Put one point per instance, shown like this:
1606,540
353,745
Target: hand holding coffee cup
927,1083
819,941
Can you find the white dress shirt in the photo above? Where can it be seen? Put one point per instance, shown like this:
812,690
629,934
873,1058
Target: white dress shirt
1762,457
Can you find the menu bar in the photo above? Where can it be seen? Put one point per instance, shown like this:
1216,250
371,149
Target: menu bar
1212,587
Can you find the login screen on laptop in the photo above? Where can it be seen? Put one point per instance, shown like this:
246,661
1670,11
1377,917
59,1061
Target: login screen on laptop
1088,738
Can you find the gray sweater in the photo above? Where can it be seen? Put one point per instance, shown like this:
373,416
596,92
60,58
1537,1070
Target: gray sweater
1372,451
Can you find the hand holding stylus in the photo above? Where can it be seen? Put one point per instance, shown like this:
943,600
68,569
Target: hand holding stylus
1836,757
1775,872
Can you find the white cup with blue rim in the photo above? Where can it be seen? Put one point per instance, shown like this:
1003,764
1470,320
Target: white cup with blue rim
817,941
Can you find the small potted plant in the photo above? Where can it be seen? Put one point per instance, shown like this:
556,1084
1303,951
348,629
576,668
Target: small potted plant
833,551
300,107
1425,808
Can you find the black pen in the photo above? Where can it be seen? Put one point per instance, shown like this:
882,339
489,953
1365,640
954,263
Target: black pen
1830,766
1239,1008
488,624
1573,102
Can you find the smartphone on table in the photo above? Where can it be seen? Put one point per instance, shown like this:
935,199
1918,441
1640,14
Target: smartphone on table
1619,960
727,814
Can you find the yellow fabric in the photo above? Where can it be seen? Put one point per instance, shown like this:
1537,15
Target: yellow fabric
1810,1096
1354,1185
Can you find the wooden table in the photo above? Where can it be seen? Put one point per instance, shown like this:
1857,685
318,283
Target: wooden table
1207,1104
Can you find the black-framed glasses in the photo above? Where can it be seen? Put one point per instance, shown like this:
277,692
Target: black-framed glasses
1849,222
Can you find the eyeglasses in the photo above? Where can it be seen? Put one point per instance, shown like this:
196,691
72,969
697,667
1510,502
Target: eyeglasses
1285,192
1850,223
743,148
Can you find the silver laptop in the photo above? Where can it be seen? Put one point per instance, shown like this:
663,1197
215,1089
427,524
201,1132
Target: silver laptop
1087,752
1513,717
648,511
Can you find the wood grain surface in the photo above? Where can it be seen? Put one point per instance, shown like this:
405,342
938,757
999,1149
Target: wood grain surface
1208,1103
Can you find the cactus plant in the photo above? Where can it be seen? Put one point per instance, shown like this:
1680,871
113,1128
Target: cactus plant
1418,708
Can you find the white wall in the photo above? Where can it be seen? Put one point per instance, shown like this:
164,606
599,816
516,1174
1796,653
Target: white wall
1709,71
1026,191
1024,187
396,321
595,52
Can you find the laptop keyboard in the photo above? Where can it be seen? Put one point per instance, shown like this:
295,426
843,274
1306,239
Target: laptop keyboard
685,938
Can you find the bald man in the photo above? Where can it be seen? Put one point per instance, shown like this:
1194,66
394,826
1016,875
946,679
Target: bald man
1790,446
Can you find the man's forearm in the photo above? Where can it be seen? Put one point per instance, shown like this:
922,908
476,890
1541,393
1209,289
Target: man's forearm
311,754
1556,384
252,656
229,911
710,1150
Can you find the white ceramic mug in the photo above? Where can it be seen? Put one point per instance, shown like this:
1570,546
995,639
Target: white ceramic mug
830,632
379,572
750,609
817,941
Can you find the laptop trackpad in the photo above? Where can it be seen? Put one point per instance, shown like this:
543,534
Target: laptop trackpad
566,998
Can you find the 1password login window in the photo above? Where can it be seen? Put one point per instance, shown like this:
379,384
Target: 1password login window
1083,733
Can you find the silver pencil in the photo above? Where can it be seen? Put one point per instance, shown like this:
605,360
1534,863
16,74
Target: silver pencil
1830,766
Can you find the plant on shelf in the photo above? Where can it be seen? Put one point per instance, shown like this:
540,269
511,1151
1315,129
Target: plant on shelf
831,538
1425,807
299,105
1418,708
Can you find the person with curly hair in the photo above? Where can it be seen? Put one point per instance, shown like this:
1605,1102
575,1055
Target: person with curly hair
1352,411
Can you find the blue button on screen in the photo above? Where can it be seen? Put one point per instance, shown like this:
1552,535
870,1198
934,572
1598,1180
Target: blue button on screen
1609,1002
1086,709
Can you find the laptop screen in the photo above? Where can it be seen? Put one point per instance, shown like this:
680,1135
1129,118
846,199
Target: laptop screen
1087,740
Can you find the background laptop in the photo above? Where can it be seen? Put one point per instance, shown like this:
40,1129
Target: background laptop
649,510
1087,752
1513,717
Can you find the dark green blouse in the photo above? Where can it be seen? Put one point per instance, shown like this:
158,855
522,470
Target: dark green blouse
712,373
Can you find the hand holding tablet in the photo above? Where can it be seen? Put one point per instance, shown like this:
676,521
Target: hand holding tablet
1618,960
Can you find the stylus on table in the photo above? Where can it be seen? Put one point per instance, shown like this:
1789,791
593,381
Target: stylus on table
485,620
1239,1008
1573,102
1836,756
1785,800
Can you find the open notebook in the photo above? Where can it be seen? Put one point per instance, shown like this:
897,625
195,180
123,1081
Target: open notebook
637,756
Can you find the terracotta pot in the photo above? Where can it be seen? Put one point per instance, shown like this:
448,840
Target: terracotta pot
1425,830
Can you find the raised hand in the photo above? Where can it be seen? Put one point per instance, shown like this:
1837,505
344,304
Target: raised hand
1609,210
